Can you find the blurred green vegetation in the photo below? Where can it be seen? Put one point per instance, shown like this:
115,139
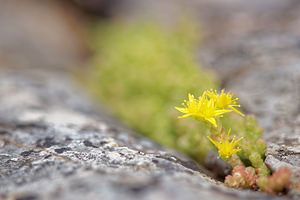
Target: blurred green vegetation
142,71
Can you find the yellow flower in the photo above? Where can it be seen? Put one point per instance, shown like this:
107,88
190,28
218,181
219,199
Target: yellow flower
202,109
224,101
225,148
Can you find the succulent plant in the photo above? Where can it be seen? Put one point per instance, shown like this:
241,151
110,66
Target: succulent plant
275,183
241,177
122,81
249,150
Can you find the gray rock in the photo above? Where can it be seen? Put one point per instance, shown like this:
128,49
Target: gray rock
55,145
265,75
41,34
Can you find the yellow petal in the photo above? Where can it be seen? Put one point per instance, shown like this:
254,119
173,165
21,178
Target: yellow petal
235,110
220,112
185,116
212,120
214,142
236,142
183,110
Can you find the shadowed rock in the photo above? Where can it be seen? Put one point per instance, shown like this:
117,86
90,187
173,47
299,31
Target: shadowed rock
53,155
54,144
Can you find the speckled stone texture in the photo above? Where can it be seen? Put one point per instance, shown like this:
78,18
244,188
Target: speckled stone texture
254,48
56,145
270,89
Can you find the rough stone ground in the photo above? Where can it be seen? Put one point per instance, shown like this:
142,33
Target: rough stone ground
260,62
55,144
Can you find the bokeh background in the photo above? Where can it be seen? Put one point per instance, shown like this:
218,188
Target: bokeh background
139,59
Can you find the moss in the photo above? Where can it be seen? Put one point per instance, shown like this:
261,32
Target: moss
141,71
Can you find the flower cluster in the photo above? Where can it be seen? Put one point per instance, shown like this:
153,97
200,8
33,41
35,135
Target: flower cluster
209,106
225,148
224,101
251,151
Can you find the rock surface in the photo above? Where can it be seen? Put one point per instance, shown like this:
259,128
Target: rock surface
263,69
254,48
270,88
38,34
54,145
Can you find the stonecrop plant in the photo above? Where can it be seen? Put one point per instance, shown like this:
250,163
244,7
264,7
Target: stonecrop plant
245,154
125,54
225,148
